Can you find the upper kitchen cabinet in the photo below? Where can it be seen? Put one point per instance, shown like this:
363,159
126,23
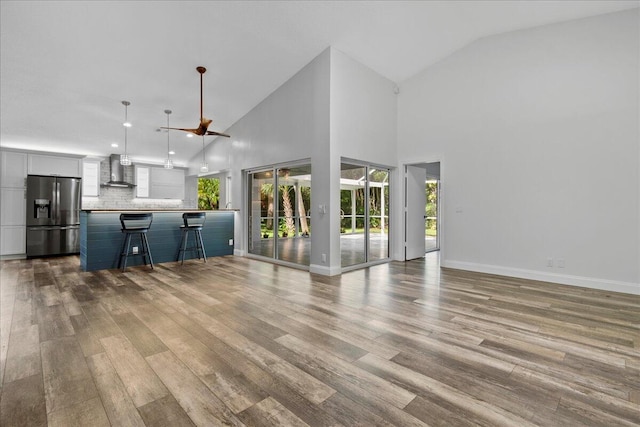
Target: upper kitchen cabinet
41,164
166,183
142,181
13,173
90,177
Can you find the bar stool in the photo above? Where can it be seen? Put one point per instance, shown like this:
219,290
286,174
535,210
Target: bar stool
193,221
135,223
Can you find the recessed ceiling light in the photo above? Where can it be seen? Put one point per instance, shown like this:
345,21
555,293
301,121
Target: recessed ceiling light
114,145
189,135
126,124
172,152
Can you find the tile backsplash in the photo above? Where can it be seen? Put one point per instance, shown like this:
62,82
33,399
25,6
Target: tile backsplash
124,198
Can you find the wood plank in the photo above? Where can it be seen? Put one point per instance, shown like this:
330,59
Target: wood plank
482,409
87,413
117,403
269,412
202,406
352,413
23,403
49,295
393,394
89,341
165,412
142,338
235,391
67,379
312,389
241,366
305,384
523,398
53,322
140,381
23,357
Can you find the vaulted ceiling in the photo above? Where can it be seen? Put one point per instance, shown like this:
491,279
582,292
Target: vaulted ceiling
66,66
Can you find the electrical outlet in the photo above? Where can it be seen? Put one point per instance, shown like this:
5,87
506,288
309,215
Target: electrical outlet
324,258
560,262
135,249
230,242
549,262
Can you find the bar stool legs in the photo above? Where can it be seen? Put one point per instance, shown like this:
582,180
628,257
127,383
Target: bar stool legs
145,251
199,244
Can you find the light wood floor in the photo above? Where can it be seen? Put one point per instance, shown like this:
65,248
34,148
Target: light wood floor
238,341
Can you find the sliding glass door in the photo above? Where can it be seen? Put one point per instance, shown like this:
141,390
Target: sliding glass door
364,214
378,224
279,213
261,213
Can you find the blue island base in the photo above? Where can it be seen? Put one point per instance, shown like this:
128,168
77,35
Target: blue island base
101,239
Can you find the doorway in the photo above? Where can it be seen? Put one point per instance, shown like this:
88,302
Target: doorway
422,209
432,209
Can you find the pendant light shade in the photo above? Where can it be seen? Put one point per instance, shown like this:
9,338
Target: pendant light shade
204,167
168,163
124,158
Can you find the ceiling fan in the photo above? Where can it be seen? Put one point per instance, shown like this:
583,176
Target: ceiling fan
204,123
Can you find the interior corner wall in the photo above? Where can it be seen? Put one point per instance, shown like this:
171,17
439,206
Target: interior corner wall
364,117
364,113
292,123
539,133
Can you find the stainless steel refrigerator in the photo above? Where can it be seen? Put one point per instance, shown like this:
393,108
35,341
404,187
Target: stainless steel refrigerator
53,215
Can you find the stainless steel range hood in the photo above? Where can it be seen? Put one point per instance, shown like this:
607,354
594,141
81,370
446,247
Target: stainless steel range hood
117,174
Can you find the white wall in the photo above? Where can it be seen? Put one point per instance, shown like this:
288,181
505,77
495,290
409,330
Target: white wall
363,127
363,112
538,133
292,123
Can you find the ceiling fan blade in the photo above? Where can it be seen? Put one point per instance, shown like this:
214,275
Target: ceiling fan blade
183,129
211,132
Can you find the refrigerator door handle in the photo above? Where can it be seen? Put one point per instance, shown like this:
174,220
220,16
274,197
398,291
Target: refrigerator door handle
57,201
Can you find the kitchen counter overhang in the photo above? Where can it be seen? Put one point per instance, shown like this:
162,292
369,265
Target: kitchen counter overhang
101,237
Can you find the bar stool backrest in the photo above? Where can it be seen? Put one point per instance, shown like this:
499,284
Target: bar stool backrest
136,221
194,219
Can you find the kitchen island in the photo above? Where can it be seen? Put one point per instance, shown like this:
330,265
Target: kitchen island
101,238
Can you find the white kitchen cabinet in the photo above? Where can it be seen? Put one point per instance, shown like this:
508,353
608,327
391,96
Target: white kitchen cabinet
14,169
41,164
166,183
90,178
14,240
12,206
13,183
142,181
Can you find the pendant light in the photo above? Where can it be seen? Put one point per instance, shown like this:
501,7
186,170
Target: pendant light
204,167
168,164
124,158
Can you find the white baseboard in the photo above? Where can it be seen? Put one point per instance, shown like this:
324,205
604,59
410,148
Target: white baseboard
238,252
563,279
324,270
